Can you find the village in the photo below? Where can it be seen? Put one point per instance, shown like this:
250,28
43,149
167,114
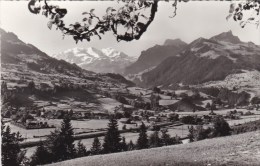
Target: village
174,110
35,105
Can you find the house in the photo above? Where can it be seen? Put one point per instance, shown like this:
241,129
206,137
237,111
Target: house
99,115
32,123
137,117
125,120
153,118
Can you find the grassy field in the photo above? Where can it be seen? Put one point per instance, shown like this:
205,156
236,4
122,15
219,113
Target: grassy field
241,150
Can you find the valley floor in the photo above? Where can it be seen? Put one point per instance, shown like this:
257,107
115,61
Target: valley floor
242,150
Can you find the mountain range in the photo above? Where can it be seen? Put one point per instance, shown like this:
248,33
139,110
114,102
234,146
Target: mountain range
220,61
202,62
153,56
106,60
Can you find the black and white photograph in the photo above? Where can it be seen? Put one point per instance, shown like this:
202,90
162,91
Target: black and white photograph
130,82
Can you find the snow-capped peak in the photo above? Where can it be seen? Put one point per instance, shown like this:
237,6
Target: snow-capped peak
98,60
110,52
92,51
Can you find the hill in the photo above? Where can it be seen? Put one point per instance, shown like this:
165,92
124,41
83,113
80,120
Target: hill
239,150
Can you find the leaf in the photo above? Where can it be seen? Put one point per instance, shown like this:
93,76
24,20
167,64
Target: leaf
108,9
144,16
84,13
240,16
228,17
251,19
232,8
84,19
90,21
92,10
101,31
235,17
76,39
241,23
136,18
49,24
140,25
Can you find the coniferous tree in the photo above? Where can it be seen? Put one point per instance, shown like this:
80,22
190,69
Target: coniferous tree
96,147
11,152
81,149
112,138
154,140
67,134
123,144
165,138
61,142
41,156
191,134
142,142
130,146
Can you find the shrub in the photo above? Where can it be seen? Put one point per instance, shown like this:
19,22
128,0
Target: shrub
221,127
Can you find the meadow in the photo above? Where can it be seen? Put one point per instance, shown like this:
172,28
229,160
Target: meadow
236,150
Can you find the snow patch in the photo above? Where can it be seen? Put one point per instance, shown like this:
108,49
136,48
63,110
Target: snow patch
91,52
210,55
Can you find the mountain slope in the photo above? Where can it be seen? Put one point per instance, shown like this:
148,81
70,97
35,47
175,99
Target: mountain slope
18,53
205,60
155,55
239,150
102,61
36,80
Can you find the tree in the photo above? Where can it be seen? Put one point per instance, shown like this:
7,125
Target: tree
127,22
142,141
154,140
11,151
208,106
255,100
61,142
128,17
124,127
4,87
239,12
96,147
130,146
213,107
67,134
123,145
191,134
165,137
156,90
200,133
31,85
112,138
81,149
221,127
41,156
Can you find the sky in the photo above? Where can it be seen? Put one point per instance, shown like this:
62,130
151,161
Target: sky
193,20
